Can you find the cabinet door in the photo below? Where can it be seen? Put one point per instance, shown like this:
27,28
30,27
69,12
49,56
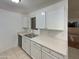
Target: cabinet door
20,41
35,52
26,45
59,56
23,43
46,55
40,20
25,21
55,18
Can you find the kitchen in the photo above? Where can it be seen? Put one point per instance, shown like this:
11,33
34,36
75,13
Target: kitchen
41,31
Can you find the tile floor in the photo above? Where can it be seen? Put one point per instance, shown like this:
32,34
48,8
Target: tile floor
73,53
17,53
14,53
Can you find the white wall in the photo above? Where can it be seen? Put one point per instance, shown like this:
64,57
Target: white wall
10,24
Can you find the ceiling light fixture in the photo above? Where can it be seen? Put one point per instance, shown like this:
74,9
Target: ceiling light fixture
16,1
42,13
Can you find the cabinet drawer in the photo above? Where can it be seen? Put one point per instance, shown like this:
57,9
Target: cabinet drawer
46,49
25,37
36,45
46,55
59,56
35,52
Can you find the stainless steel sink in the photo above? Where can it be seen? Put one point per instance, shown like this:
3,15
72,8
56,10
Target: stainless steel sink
31,35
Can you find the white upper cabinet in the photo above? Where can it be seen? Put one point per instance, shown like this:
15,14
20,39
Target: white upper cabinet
25,21
40,18
55,16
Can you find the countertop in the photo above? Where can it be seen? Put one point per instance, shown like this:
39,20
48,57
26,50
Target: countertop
22,33
55,44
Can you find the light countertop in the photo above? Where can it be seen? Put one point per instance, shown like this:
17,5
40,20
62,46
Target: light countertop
55,44
22,33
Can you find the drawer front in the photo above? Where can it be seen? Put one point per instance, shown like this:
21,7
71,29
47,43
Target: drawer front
35,52
57,55
36,45
46,55
26,37
46,49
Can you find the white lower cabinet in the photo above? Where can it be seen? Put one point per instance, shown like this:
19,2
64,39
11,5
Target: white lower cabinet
23,43
59,56
46,55
51,53
26,45
35,51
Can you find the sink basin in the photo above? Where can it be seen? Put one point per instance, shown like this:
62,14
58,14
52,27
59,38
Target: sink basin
31,35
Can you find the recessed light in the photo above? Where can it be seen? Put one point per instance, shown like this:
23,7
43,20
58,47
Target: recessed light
16,1
43,13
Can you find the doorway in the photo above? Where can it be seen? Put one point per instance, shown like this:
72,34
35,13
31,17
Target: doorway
73,29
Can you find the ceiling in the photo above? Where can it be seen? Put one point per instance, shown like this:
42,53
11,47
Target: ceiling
25,6
74,8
